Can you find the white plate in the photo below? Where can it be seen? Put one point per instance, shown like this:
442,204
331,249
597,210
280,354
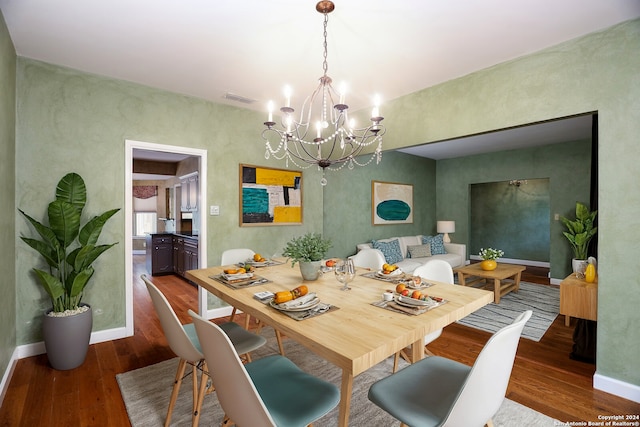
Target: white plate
395,272
303,307
412,302
238,276
258,264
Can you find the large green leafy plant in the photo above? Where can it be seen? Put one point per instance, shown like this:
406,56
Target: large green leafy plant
310,247
68,248
581,230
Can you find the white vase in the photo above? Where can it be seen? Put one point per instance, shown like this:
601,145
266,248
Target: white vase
579,266
310,270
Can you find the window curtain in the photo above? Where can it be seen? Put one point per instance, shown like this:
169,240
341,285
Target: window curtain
145,198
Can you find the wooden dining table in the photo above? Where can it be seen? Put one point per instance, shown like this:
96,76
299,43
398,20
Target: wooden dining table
355,335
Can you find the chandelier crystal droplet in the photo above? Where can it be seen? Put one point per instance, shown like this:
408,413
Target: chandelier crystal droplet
327,137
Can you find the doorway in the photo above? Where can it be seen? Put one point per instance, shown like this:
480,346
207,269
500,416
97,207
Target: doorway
201,155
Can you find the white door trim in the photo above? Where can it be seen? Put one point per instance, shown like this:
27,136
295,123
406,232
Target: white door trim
130,145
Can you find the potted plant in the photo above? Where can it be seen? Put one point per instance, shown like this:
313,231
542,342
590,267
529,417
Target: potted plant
489,257
308,250
69,251
579,233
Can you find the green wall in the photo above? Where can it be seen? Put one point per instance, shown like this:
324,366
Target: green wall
567,165
68,120
598,72
7,196
347,201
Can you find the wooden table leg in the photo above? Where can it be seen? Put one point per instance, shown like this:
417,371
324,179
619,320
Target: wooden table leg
497,285
517,280
567,320
461,279
345,398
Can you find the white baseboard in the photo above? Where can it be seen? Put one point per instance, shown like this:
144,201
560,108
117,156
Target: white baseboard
516,261
219,312
6,378
616,387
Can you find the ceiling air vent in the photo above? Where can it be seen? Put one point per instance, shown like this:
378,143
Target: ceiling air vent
238,98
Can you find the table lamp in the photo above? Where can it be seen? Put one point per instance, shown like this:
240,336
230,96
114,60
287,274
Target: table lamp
446,227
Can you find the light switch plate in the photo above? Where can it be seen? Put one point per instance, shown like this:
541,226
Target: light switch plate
214,210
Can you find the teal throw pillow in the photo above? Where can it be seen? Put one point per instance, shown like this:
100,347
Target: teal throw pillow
436,242
390,250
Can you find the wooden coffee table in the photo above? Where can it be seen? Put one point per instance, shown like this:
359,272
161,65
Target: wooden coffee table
504,279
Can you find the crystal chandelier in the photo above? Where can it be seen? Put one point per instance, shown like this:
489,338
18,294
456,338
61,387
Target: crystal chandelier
327,137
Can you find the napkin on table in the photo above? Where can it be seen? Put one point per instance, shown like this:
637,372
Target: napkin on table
298,301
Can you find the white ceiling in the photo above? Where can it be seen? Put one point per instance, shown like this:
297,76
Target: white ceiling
252,48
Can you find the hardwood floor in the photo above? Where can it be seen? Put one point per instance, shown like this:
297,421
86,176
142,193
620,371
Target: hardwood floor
543,378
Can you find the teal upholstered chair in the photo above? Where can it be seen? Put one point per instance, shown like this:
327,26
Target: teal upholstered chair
271,391
183,341
441,392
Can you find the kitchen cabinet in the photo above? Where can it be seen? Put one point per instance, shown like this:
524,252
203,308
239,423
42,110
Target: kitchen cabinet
189,192
159,254
185,254
171,253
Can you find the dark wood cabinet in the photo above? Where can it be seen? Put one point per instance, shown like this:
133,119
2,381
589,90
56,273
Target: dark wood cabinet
159,254
190,254
170,253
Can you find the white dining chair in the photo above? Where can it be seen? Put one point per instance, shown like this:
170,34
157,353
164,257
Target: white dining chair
240,255
271,391
438,271
183,341
437,391
372,259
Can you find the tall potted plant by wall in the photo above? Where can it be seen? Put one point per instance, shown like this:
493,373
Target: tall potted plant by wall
69,250
308,250
579,232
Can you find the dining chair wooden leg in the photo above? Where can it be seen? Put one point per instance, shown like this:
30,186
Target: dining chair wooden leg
201,391
233,314
279,339
428,352
176,388
226,421
247,319
489,423
196,394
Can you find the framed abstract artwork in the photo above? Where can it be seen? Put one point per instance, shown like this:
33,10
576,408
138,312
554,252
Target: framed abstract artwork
270,196
391,203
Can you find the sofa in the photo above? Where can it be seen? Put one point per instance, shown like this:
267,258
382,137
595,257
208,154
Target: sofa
409,252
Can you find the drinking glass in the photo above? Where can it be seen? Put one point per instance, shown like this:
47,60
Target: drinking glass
345,273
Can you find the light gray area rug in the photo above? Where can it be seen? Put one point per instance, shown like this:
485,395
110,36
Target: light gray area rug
146,393
543,300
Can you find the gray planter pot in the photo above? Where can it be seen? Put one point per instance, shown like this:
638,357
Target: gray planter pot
310,270
66,339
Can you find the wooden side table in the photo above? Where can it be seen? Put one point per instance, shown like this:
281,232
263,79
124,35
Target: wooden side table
578,298
471,274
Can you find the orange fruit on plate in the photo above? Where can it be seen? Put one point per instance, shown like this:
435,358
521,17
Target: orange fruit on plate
416,294
400,287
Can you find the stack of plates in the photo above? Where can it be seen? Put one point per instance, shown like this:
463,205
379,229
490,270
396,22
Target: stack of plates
412,302
394,273
303,306
239,276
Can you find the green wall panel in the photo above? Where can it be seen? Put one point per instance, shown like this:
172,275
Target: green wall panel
347,201
7,195
566,165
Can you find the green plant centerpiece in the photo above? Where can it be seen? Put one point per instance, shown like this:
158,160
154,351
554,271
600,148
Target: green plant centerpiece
69,250
581,230
489,257
308,250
